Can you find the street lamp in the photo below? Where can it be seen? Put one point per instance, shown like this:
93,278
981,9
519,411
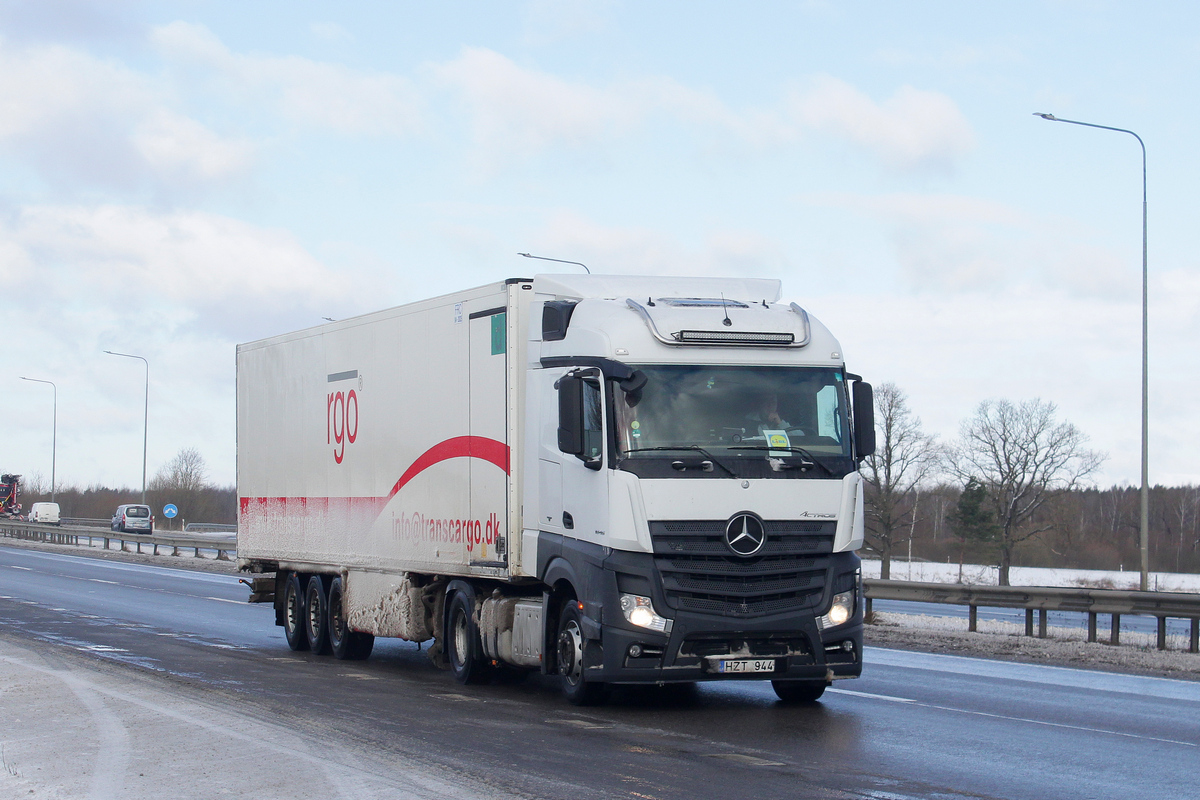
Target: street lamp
1144,539
53,434
146,428
559,260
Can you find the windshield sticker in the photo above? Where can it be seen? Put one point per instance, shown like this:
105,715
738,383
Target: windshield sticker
778,439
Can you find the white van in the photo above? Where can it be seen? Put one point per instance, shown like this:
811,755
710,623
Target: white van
44,512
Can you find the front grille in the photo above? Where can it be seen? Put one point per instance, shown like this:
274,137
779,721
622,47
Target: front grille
700,574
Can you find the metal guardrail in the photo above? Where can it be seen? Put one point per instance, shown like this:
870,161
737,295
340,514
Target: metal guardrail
1042,599
210,527
86,522
73,534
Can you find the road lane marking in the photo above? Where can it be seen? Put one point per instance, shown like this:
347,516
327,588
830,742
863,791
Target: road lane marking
1083,728
742,758
1042,674
889,698
584,724
1064,725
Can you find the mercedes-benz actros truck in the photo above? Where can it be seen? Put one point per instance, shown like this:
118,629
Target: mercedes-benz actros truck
606,478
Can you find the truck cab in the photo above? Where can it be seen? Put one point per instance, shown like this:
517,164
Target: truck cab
698,485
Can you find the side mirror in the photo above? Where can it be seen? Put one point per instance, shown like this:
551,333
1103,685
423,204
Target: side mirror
864,419
580,430
570,415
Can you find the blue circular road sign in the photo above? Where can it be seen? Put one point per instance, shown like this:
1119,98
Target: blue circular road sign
169,511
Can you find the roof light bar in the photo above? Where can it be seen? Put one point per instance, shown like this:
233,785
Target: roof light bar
735,337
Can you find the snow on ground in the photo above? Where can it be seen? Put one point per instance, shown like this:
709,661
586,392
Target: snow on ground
1066,647
976,574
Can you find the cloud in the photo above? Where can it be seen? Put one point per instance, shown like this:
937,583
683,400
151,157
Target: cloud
643,251
950,243
173,144
87,122
72,20
912,129
168,270
308,92
517,112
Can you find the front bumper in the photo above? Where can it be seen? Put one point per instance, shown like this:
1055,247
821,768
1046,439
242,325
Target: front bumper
695,646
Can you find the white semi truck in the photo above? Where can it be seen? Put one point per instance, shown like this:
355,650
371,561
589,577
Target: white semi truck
612,479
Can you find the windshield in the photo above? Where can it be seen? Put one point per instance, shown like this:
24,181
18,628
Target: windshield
736,411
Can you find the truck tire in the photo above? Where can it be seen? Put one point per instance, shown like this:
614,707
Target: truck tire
293,612
345,643
316,615
463,649
575,687
799,691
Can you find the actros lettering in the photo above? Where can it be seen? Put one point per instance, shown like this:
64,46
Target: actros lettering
341,422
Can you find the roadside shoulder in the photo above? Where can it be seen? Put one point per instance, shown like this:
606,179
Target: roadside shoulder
1128,659
202,564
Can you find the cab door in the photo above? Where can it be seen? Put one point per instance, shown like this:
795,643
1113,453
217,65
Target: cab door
585,474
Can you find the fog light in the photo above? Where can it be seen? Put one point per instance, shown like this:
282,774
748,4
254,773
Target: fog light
848,646
635,651
639,611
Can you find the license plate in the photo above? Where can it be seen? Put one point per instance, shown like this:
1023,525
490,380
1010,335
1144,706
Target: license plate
746,665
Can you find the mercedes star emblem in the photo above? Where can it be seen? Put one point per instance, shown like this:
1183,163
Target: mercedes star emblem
744,534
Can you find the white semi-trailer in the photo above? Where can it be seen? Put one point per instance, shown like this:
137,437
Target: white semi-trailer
613,479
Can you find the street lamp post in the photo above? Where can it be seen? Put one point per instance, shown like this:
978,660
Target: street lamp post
146,424
1144,538
53,435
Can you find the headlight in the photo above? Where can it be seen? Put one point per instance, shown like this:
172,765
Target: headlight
639,611
840,612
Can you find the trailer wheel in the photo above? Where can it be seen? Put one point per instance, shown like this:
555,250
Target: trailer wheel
345,643
575,687
316,616
293,612
799,691
462,642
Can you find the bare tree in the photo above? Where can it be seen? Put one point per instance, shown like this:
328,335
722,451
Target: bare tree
1023,457
183,481
186,472
904,458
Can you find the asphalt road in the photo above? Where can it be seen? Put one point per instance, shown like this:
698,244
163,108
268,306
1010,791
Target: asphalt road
152,674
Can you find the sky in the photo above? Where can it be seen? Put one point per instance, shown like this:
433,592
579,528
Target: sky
180,176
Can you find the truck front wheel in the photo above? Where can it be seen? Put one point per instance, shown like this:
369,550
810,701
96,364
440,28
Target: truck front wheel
799,691
293,613
575,687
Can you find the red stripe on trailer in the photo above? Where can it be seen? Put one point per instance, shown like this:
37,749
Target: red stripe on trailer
489,450
481,447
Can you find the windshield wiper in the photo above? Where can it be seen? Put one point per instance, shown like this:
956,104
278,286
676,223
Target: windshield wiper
800,451
697,448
